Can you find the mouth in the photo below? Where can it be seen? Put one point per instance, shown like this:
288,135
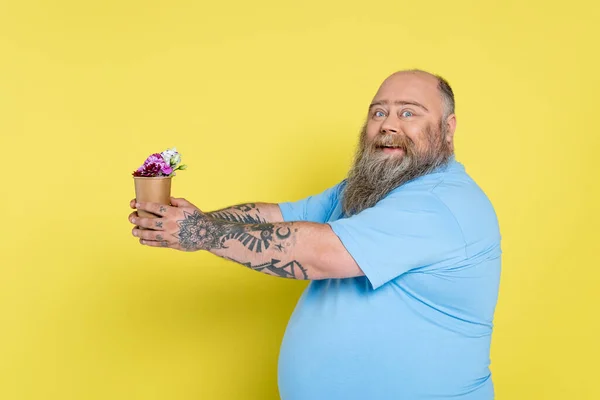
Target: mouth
391,149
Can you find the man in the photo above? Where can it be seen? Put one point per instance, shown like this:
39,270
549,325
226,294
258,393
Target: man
403,258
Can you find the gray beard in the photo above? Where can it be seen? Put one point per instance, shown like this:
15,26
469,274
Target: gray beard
374,174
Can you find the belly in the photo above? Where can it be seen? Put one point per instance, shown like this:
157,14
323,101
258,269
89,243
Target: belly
338,346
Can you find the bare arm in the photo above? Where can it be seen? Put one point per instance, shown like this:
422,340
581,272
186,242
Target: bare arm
249,213
297,250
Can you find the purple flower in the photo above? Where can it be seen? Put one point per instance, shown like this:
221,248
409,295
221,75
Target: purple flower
155,165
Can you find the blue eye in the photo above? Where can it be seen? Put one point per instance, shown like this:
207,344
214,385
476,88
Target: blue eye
379,114
407,114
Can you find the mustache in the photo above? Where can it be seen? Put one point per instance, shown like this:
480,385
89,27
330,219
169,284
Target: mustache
399,141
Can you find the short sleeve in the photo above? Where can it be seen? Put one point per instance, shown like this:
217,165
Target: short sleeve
405,231
314,208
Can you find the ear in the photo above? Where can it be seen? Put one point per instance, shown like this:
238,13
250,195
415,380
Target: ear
450,128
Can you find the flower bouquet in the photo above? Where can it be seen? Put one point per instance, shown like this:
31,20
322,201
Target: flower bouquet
153,178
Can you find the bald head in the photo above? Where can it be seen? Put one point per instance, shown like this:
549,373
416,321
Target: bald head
442,86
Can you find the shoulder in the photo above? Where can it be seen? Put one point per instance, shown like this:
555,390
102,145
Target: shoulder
448,185
450,192
433,190
464,200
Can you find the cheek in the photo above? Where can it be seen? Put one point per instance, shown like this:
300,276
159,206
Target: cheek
372,131
416,133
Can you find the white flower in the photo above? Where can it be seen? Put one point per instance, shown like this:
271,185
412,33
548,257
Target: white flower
175,160
171,157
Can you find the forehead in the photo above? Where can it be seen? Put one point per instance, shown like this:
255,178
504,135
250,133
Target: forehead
410,86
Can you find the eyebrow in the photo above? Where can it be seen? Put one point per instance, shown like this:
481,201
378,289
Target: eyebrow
398,103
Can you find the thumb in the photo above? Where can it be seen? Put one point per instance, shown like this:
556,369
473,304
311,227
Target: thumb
177,202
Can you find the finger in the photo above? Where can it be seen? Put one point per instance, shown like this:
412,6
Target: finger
179,202
165,244
157,224
132,203
132,217
154,243
154,208
147,234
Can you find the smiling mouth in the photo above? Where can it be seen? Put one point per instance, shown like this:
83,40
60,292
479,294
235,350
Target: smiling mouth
391,150
390,147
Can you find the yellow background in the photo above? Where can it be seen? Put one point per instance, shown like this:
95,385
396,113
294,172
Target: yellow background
265,100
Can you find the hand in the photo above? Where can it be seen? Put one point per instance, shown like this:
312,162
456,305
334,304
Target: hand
178,226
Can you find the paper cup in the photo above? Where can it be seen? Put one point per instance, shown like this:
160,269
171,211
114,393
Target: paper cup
153,190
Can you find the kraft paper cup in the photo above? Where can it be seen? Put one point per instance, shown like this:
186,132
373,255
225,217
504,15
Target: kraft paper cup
153,190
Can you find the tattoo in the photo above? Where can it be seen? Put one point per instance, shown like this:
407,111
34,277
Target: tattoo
248,239
164,244
196,231
244,218
162,209
245,207
282,234
293,269
159,224
159,237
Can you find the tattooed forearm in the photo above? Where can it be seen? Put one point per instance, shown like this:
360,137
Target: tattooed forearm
263,247
199,232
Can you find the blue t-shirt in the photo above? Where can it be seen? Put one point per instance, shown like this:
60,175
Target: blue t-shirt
418,325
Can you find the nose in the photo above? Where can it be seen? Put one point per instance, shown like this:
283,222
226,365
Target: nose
390,125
